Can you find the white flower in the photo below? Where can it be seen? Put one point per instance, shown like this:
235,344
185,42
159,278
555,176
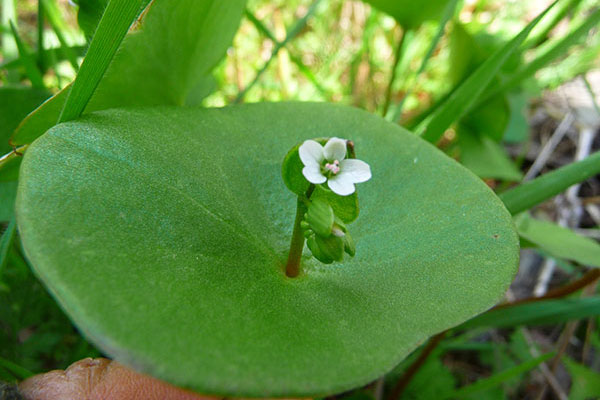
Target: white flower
329,163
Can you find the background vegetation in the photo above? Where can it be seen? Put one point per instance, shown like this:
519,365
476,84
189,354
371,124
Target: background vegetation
540,113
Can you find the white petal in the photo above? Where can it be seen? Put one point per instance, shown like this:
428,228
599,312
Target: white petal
335,149
311,153
313,174
357,170
341,185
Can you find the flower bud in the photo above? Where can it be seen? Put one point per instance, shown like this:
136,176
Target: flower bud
349,246
304,225
320,217
311,242
332,247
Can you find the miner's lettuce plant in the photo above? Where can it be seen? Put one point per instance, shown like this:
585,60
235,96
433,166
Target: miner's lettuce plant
174,235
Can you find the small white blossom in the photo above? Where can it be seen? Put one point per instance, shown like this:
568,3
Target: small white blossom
329,164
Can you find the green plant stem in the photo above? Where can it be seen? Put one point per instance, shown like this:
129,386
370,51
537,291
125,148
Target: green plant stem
397,58
292,267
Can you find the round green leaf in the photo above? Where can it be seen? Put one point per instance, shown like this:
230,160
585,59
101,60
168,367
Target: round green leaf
164,232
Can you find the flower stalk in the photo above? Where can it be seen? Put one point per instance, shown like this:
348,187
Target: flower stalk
330,167
292,267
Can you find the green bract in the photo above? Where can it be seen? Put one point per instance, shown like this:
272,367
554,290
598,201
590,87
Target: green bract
163,233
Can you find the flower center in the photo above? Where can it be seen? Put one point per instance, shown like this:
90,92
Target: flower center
332,168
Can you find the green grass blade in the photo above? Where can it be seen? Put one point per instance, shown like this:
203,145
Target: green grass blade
41,54
553,52
16,370
9,46
54,17
461,100
56,53
296,60
540,33
527,195
6,243
31,69
545,312
497,379
117,18
398,54
292,33
558,241
395,111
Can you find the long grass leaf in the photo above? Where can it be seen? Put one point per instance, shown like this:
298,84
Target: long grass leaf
292,33
41,53
58,53
540,33
527,195
16,370
28,62
6,243
545,312
395,111
550,54
558,241
461,100
9,46
398,54
55,19
295,59
117,18
497,379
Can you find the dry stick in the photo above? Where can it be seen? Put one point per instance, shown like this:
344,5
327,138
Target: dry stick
563,341
538,164
543,367
378,389
589,330
549,147
548,375
414,367
588,278
593,233
570,216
